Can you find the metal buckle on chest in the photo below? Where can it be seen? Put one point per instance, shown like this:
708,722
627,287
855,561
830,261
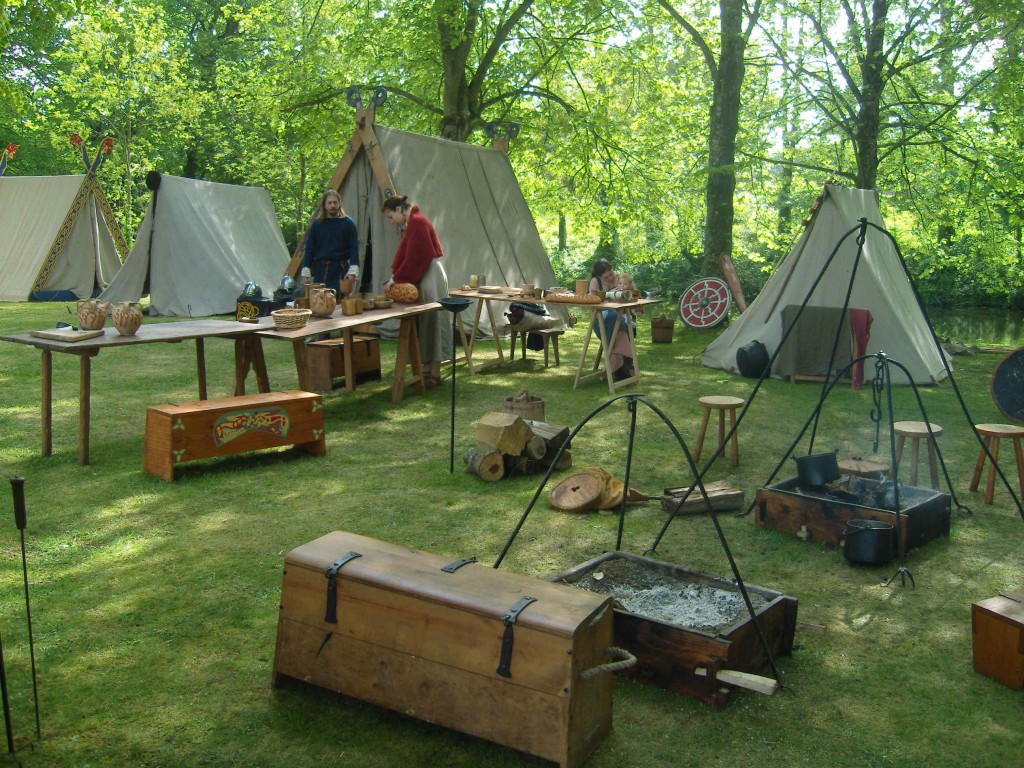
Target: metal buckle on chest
453,567
331,614
509,617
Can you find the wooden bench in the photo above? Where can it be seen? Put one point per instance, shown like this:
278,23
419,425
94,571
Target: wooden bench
176,433
326,362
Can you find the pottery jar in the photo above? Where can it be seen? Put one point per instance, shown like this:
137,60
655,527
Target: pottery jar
92,314
127,318
322,301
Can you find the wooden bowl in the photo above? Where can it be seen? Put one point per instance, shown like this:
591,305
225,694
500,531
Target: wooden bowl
382,303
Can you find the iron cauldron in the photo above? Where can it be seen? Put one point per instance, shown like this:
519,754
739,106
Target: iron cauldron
817,469
869,542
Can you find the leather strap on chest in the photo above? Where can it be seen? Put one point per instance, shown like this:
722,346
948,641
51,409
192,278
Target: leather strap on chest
507,641
331,614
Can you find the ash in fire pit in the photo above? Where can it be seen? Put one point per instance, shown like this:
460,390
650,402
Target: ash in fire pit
657,595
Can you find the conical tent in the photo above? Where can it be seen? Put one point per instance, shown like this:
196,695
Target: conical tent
198,245
880,286
58,238
469,193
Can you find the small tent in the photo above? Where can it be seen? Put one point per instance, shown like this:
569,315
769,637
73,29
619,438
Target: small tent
880,287
198,245
58,238
469,193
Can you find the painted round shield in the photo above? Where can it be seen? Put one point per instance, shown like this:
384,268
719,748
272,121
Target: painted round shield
705,303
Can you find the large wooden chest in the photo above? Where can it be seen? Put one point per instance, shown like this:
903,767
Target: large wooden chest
997,626
502,656
784,507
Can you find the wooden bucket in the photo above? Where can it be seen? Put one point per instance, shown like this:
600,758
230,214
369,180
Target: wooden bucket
661,329
525,406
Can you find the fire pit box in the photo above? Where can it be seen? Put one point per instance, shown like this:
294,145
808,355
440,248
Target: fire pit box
428,637
786,507
668,655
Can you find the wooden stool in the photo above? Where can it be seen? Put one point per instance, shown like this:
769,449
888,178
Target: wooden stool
720,403
550,336
990,434
917,431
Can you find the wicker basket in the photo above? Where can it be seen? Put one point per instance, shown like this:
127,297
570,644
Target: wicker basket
290,318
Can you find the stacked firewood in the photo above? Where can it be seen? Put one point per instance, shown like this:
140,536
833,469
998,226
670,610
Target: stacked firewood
508,444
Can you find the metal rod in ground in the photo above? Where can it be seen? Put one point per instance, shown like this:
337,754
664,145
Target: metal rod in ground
31,644
6,700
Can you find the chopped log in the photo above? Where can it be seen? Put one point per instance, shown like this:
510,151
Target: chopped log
721,493
487,464
523,465
535,447
554,436
504,431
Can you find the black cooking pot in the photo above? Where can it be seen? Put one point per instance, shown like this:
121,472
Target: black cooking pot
817,469
870,542
752,359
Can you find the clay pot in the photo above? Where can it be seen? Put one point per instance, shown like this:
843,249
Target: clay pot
347,283
127,317
92,314
322,301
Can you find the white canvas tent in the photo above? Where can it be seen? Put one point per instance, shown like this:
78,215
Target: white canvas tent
880,286
198,245
469,193
58,238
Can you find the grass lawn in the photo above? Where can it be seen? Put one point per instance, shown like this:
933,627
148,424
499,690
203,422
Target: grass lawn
154,604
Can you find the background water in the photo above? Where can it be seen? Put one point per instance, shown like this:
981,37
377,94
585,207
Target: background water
984,327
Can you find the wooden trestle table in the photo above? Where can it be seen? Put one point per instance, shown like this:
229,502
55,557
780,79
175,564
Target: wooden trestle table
246,353
407,353
601,366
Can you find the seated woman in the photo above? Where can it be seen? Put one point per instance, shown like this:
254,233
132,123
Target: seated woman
603,279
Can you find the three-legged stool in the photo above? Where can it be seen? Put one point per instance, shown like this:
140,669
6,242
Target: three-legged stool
990,434
720,403
917,431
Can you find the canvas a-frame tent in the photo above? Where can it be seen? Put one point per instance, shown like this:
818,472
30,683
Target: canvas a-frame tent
59,239
469,193
198,245
881,286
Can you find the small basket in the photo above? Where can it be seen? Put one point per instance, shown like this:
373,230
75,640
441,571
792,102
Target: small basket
290,318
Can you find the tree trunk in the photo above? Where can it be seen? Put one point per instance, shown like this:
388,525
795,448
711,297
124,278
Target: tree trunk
872,82
724,125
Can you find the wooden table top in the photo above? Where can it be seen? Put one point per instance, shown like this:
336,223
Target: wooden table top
147,333
515,294
317,325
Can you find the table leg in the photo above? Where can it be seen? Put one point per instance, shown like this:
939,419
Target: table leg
494,333
408,351
301,363
259,362
84,404
580,378
350,377
472,336
46,416
201,367
467,342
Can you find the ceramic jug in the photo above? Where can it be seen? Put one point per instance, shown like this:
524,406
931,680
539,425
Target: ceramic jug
323,301
92,314
127,318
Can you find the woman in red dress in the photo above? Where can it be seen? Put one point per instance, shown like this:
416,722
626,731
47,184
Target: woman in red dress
418,261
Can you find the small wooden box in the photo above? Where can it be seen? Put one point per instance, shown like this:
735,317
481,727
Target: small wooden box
326,360
783,507
415,633
176,433
998,628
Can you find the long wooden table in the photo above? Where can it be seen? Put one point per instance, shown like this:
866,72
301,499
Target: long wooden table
247,353
407,354
622,309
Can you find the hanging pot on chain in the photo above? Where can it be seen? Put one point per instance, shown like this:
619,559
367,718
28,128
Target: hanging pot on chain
817,469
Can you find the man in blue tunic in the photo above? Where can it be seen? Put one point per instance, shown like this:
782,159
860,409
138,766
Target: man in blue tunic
332,245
